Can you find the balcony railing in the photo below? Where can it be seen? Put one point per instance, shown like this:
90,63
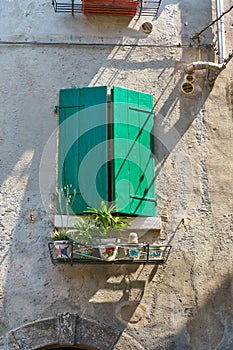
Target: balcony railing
109,7
69,6
115,253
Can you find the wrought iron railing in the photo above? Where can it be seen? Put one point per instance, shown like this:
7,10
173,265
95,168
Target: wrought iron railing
108,8
117,253
72,6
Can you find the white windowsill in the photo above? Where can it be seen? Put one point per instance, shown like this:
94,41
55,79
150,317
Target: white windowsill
139,223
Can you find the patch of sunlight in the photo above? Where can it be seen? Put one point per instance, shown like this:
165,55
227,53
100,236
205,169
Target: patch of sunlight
13,188
106,296
11,197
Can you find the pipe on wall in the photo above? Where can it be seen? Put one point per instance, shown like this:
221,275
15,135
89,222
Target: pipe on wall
221,32
215,67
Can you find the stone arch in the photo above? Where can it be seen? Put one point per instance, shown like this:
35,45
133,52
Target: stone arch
67,331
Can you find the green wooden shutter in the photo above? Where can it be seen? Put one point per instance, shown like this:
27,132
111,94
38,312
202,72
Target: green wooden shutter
133,162
82,147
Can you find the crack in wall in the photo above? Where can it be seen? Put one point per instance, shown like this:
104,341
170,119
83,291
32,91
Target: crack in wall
204,181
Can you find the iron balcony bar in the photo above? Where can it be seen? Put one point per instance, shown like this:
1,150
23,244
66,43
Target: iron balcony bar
145,8
149,254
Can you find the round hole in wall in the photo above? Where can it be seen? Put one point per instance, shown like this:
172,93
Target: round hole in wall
147,27
187,88
190,78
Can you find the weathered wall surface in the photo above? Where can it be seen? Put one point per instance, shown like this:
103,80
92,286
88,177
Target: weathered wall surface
186,304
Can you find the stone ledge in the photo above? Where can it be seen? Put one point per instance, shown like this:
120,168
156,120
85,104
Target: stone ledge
138,224
145,223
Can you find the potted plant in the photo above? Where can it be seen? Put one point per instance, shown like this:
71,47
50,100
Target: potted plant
62,243
105,221
61,236
95,235
108,227
84,236
156,252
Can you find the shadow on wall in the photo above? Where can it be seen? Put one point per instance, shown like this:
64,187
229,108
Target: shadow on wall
168,131
32,78
116,294
33,288
167,134
210,325
166,137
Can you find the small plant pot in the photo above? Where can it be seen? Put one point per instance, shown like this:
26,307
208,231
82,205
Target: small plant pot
156,252
108,251
63,249
132,252
84,252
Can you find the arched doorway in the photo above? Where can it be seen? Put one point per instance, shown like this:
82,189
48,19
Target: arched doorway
68,331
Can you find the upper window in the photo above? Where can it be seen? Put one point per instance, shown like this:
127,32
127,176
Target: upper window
105,149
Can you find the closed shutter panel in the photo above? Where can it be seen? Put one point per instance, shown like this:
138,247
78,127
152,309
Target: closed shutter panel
133,162
82,147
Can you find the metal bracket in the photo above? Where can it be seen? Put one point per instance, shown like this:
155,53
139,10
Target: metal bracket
56,108
141,198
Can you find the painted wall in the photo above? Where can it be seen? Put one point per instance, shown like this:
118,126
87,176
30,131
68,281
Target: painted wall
186,304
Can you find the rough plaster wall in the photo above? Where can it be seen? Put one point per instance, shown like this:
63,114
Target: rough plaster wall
171,307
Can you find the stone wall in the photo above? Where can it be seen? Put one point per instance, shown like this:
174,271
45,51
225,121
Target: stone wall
185,304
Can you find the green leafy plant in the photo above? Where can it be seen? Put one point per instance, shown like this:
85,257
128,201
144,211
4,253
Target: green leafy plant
85,231
61,236
90,228
63,200
105,220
